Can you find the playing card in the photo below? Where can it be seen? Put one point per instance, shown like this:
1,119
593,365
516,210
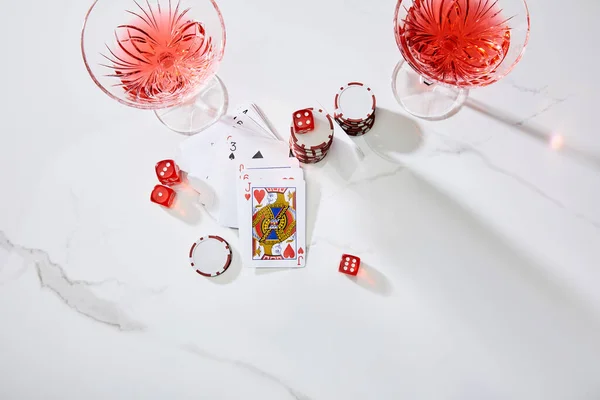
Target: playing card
205,158
266,122
285,173
247,114
213,159
197,157
258,163
273,223
236,151
243,121
268,174
197,152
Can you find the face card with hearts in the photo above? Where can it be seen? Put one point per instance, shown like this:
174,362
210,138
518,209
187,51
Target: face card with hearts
273,223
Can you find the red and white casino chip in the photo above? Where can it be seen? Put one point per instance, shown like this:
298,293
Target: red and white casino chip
355,108
320,136
308,156
309,159
314,151
312,147
357,130
210,256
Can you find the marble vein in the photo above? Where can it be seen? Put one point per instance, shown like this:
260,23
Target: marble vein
535,90
295,394
554,102
339,245
376,177
369,179
467,148
71,237
543,91
76,294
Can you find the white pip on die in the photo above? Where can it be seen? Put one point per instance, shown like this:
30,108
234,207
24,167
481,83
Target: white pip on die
349,264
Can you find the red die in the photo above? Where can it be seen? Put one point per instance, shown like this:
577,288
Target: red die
163,195
168,172
349,264
304,121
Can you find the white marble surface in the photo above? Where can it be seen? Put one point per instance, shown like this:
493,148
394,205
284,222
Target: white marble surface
481,243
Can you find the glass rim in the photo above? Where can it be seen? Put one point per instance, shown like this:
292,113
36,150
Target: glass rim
140,105
500,76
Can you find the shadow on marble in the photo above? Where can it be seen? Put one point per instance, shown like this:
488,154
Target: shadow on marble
187,207
313,201
344,157
533,130
206,194
393,135
481,282
268,271
372,280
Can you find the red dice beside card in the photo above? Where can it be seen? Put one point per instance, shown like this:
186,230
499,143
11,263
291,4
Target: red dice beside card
304,121
168,172
349,264
163,195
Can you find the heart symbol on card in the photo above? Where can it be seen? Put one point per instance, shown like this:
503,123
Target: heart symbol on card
247,195
259,195
289,252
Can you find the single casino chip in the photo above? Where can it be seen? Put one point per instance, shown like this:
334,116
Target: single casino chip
359,128
355,128
308,155
358,131
309,159
355,102
210,256
356,121
366,122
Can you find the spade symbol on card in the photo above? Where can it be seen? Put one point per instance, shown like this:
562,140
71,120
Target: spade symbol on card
257,155
232,156
289,252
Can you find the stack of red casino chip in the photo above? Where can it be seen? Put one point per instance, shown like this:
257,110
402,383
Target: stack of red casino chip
312,147
355,106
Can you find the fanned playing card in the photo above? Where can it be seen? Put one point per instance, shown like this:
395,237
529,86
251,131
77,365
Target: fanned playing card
215,159
250,114
246,150
272,220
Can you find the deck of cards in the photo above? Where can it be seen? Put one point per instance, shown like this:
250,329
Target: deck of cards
248,180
